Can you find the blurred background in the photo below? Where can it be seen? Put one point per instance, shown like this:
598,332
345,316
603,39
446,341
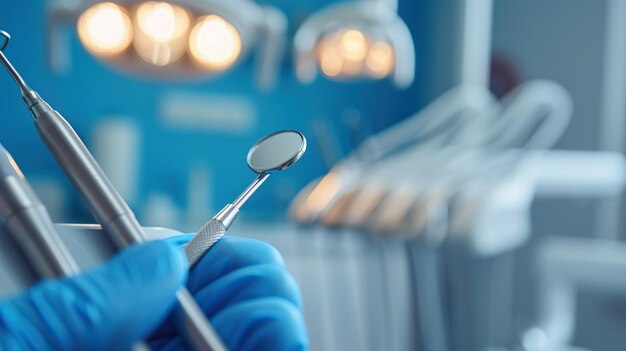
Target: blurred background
463,184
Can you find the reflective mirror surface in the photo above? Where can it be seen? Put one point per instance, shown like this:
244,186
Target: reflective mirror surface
276,151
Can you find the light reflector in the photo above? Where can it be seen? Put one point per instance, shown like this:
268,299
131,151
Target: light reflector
214,43
380,60
351,53
160,32
105,29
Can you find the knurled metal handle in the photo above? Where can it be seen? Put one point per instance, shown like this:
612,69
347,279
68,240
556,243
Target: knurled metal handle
206,237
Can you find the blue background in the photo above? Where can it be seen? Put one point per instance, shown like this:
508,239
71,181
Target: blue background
91,90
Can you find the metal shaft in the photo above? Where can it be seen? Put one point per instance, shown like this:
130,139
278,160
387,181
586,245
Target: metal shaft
241,200
113,213
103,200
228,214
16,76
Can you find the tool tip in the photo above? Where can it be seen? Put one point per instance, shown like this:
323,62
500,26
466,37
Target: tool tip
4,40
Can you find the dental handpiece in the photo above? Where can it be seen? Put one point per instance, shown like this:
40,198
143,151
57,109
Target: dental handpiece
106,204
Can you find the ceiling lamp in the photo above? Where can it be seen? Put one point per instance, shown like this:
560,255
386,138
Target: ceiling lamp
362,40
177,38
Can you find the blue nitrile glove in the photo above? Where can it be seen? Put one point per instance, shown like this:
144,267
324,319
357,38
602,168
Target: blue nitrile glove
107,308
243,287
241,284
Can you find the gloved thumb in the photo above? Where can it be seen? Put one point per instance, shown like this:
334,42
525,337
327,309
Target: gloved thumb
108,308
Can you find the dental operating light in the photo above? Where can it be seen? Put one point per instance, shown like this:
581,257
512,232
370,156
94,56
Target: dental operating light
176,38
360,40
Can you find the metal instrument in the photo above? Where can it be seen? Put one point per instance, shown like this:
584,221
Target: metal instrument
106,204
273,153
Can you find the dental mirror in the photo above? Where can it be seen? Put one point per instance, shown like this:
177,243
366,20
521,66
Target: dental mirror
275,152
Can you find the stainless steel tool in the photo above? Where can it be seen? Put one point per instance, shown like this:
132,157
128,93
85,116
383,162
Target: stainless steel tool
273,153
106,204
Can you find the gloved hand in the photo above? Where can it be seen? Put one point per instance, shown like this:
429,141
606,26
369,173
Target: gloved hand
241,285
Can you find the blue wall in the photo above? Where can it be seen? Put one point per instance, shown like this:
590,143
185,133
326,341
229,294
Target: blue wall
91,90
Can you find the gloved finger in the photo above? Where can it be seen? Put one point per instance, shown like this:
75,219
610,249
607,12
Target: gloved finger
180,240
109,307
247,283
227,255
261,324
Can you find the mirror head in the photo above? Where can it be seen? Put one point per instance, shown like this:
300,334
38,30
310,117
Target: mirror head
276,151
